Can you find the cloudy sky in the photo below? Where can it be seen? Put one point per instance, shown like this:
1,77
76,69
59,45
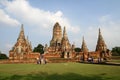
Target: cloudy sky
81,18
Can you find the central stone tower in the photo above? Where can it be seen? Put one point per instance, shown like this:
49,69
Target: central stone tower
57,36
59,45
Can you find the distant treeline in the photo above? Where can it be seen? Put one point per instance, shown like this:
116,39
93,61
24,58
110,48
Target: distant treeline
116,51
3,56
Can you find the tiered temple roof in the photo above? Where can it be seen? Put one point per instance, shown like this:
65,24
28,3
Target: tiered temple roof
84,46
101,46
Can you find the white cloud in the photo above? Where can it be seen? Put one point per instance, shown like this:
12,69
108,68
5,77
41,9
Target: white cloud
41,21
7,20
110,31
5,48
8,46
23,11
105,18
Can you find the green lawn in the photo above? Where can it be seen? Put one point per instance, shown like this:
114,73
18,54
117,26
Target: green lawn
115,61
59,71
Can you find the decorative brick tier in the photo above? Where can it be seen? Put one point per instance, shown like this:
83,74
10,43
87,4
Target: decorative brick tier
17,61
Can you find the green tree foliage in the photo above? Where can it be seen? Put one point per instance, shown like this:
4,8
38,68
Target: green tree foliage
77,49
39,48
116,51
3,56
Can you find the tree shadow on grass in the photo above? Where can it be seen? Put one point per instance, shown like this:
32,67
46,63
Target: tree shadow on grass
109,64
46,76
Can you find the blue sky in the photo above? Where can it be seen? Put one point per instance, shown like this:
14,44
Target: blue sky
81,18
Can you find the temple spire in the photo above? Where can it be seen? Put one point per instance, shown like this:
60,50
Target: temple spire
57,35
65,42
101,46
100,38
22,29
84,46
30,45
64,33
27,40
21,35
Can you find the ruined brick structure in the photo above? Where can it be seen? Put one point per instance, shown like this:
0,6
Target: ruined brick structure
84,50
59,45
22,48
100,54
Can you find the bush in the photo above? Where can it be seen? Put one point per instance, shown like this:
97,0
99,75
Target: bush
3,56
116,51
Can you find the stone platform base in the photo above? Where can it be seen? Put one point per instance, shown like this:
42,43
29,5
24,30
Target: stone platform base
17,61
48,60
60,60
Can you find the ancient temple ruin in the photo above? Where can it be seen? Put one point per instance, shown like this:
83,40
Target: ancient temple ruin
102,53
59,44
22,48
60,47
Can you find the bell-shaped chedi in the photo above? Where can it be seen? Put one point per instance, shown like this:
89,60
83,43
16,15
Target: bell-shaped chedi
21,36
57,35
84,50
84,47
65,45
65,42
59,45
101,46
21,47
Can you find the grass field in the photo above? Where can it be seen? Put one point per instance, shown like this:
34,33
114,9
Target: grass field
59,71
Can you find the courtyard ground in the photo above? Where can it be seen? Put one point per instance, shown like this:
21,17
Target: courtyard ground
59,71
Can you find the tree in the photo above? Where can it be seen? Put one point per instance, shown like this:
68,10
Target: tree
77,49
116,51
39,48
3,56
